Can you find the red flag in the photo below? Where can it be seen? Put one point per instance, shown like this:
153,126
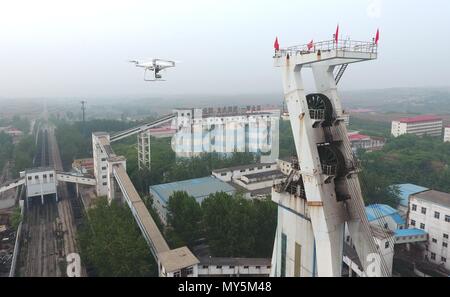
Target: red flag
310,45
336,36
276,45
377,37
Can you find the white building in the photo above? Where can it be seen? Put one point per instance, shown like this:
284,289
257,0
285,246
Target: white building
255,180
420,125
227,130
368,143
430,211
41,182
447,134
234,267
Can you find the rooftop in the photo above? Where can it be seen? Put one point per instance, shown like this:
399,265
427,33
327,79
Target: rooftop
436,197
409,232
174,260
242,167
377,211
222,261
420,119
408,189
357,136
199,188
265,175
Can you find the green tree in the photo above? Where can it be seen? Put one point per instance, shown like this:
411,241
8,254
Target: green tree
184,218
111,243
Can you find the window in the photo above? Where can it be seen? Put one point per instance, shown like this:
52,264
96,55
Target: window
348,238
424,210
447,219
267,167
103,159
258,267
104,176
414,207
434,240
283,254
386,226
445,235
433,256
444,259
413,223
219,266
243,170
246,267
223,174
231,266
205,266
444,244
45,176
422,226
259,168
386,245
51,175
103,168
29,178
36,177
177,274
105,183
437,215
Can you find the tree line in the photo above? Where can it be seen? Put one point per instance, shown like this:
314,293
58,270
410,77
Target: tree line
231,225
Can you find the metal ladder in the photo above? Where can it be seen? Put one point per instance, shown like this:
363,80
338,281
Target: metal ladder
340,73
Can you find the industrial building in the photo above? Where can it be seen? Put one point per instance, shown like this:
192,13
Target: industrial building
199,188
227,130
405,190
254,181
368,143
447,134
233,267
430,211
420,125
385,216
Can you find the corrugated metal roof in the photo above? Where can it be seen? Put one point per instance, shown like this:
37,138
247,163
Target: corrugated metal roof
377,211
409,189
199,188
409,232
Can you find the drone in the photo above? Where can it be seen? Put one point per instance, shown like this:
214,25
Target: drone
155,66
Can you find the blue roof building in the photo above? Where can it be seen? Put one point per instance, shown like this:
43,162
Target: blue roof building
408,189
385,214
199,188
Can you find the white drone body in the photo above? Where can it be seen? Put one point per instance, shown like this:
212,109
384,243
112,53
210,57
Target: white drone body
155,66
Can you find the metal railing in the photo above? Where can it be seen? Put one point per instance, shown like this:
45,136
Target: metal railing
317,114
329,170
329,45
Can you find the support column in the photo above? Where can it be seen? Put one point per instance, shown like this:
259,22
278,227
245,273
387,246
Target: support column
327,216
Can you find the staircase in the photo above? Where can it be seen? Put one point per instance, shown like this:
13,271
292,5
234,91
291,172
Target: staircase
340,73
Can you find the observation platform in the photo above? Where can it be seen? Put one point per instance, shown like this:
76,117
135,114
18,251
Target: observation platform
342,52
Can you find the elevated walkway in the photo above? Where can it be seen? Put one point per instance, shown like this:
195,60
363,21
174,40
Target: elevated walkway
76,179
142,128
12,184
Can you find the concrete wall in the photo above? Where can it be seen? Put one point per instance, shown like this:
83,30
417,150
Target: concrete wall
436,228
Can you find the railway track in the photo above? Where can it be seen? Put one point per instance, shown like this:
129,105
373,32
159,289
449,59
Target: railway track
49,230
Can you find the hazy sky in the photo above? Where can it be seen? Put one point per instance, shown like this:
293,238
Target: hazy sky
80,48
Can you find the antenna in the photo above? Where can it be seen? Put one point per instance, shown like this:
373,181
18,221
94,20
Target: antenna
83,109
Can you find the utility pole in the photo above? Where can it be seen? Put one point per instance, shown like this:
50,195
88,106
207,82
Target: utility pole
83,109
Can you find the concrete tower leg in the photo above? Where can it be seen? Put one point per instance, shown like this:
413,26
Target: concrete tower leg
327,216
